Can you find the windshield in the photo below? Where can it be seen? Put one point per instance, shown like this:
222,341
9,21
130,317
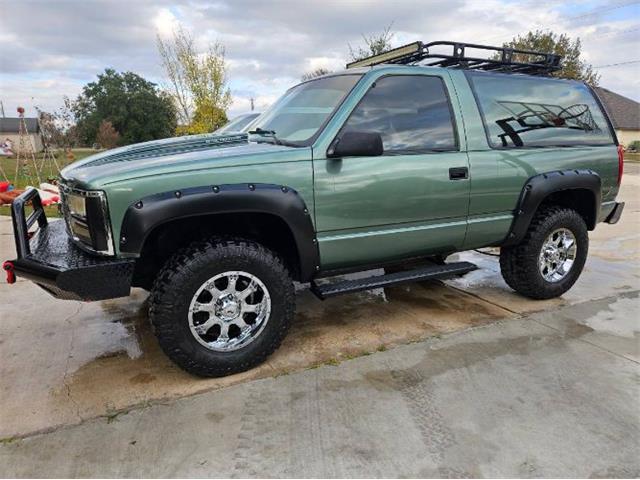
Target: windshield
298,116
237,124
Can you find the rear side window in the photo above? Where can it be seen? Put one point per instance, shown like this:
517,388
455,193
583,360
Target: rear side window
410,112
520,111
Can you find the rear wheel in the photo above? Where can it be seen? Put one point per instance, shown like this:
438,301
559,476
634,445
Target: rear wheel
550,258
222,306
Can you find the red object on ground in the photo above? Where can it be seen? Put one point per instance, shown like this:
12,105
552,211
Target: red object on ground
4,186
8,197
11,276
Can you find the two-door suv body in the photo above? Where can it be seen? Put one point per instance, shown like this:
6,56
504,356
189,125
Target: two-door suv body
378,165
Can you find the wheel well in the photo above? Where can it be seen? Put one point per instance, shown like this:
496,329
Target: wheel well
269,230
581,200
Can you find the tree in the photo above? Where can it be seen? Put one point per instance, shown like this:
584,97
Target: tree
59,127
318,72
373,44
107,136
198,82
573,66
136,108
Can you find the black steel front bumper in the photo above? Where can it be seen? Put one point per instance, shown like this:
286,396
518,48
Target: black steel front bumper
50,259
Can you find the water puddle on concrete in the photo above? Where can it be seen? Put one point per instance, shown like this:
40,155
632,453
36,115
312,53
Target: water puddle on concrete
620,319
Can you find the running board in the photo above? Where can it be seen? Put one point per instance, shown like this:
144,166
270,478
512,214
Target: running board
430,272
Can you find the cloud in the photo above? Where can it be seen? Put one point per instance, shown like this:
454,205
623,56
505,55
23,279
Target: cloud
269,45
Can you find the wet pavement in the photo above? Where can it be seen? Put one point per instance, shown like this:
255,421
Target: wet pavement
66,362
554,394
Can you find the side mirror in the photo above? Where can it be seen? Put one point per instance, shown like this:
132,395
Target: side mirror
356,144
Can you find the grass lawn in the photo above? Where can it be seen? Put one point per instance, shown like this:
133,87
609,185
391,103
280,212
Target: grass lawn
27,177
632,157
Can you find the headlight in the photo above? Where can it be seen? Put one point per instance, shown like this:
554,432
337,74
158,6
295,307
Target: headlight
77,205
87,216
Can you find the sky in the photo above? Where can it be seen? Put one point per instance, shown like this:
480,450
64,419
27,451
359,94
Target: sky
51,49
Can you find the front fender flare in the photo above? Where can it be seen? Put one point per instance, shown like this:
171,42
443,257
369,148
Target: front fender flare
142,217
539,187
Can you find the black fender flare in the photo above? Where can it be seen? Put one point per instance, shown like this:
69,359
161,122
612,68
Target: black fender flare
539,187
142,217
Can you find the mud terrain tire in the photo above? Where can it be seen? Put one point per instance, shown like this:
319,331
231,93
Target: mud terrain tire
188,271
520,266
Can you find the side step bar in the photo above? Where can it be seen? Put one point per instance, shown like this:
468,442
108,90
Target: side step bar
431,272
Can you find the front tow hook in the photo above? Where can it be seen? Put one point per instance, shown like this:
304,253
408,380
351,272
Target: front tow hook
11,275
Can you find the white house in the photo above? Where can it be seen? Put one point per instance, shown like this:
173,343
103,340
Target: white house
10,130
624,113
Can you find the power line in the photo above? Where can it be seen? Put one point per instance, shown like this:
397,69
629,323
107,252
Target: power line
570,19
616,64
608,34
599,10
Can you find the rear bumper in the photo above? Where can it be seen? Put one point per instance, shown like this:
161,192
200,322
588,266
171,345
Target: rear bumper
615,214
51,260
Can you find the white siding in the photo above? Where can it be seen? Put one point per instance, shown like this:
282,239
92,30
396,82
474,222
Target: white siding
625,137
34,138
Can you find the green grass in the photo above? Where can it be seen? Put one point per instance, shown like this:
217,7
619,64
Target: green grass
632,157
9,167
27,177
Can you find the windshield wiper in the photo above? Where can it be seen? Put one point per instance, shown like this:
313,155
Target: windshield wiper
269,133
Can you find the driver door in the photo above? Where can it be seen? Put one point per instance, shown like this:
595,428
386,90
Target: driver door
410,201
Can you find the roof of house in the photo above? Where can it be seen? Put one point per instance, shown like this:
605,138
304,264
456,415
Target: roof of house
624,112
12,125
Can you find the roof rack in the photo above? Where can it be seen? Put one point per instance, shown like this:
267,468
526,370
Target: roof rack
528,61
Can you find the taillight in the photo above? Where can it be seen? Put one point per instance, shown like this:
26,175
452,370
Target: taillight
620,163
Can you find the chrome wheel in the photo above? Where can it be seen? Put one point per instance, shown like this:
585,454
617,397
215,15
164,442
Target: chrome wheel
229,311
557,255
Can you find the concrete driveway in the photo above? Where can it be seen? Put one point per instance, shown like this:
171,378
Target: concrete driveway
523,388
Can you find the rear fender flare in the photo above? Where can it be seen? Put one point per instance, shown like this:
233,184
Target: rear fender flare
539,187
144,216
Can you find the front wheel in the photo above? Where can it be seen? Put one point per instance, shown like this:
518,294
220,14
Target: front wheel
551,256
222,306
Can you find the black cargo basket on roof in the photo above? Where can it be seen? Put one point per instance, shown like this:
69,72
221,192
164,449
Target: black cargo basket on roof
455,56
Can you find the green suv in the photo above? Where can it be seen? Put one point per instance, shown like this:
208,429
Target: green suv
398,161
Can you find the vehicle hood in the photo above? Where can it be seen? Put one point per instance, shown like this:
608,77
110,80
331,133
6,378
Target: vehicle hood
167,156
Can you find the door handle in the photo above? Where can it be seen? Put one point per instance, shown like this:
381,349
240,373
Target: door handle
458,173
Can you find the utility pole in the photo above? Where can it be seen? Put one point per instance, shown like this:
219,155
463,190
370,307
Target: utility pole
2,108
252,105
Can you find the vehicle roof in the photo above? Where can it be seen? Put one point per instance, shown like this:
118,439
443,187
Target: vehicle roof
398,67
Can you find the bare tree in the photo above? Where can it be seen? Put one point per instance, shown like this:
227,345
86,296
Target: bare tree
173,54
374,44
59,127
318,72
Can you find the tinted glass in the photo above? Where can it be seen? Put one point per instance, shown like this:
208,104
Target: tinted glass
298,114
411,113
521,111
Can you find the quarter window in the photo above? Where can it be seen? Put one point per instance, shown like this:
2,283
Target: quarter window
410,112
520,111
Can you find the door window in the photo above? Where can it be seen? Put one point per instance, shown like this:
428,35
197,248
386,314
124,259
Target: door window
410,112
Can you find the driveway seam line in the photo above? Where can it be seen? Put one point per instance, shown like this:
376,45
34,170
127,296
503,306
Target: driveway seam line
475,295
